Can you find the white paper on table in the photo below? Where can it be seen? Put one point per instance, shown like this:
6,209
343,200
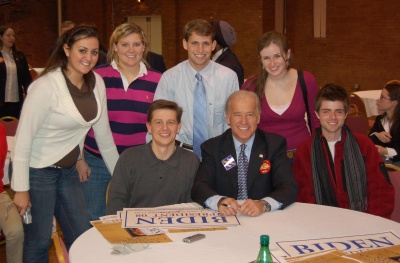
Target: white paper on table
348,244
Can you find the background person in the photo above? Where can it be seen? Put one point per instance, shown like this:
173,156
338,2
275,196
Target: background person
200,86
14,74
10,220
244,163
386,130
337,168
225,36
61,106
158,173
278,87
130,87
156,61
65,26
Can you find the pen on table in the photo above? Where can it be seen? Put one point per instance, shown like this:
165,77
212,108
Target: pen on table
226,205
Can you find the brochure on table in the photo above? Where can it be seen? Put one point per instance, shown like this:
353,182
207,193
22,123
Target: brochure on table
174,218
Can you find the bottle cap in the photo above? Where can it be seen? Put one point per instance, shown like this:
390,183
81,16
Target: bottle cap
264,239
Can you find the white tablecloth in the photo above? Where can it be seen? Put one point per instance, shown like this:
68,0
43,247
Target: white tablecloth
240,244
10,143
369,97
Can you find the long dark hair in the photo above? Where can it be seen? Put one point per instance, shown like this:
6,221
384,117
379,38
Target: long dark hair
393,88
16,53
271,37
59,59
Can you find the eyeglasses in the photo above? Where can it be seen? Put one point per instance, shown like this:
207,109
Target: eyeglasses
383,98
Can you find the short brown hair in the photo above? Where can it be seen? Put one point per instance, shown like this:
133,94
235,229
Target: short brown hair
331,92
164,105
201,27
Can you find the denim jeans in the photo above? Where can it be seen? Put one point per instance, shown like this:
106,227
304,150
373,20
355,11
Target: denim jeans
56,192
95,188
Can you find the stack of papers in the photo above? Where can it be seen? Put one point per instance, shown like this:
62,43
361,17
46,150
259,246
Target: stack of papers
148,225
173,218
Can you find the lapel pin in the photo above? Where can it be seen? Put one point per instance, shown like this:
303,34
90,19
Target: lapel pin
265,167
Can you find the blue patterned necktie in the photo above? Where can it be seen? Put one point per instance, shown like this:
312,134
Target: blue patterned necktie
243,165
199,115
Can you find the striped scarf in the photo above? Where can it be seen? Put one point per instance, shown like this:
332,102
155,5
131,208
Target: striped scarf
354,173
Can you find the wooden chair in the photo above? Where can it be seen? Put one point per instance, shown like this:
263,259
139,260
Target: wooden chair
108,188
394,174
61,250
33,72
353,109
357,123
10,124
356,100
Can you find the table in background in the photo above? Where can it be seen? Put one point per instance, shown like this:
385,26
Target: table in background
369,97
240,244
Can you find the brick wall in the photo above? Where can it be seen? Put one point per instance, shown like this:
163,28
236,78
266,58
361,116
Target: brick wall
361,46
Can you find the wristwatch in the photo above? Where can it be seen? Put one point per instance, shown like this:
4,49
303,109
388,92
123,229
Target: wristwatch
266,205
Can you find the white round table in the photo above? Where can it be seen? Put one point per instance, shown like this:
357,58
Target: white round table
369,97
240,244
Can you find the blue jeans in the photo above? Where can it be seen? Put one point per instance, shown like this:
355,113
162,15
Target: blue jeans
54,192
95,188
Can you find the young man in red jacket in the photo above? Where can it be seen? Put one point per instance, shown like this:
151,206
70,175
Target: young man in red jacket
339,168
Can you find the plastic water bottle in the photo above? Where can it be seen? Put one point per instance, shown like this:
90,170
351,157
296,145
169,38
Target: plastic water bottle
264,256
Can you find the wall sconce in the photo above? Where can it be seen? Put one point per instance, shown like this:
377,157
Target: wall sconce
140,1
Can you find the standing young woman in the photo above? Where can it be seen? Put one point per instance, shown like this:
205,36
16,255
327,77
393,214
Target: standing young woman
62,105
14,74
386,130
278,87
130,87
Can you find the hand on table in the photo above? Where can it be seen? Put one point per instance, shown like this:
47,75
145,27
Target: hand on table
228,206
22,201
252,207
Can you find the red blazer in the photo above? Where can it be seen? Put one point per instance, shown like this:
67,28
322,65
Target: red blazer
380,192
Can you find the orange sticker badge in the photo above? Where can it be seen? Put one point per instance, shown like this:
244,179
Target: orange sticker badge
265,167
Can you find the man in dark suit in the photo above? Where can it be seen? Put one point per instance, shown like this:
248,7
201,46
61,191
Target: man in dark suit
156,61
225,36
268,183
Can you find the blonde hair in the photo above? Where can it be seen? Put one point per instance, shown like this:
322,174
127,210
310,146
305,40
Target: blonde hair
122,31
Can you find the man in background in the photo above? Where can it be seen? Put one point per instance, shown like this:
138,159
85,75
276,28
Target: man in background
156,61
225,36
65,26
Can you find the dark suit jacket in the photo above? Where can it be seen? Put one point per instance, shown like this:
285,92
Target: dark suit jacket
230,60
23,75
394,142
156,61
212,178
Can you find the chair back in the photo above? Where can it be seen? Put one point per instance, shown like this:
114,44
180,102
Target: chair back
352,109
356,100
394,174
10,124
357,123
108,188
61,250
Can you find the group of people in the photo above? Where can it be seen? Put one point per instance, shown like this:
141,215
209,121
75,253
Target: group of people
236,148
